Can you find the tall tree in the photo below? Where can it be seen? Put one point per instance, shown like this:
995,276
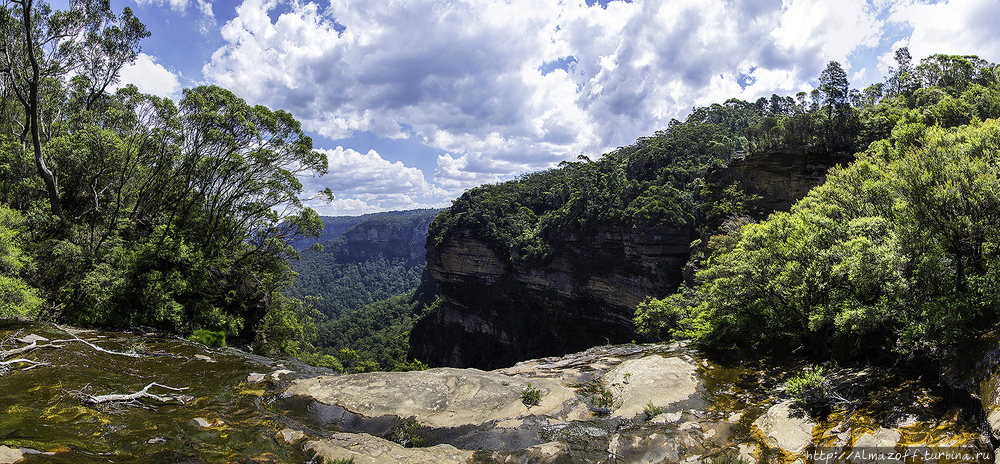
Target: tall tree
836,101
39,44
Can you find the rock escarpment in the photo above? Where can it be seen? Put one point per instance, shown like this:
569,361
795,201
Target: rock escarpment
389,236
496,312
498,309
780,177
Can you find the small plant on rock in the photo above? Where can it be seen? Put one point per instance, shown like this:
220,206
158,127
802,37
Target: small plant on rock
531,396
808,387
652,410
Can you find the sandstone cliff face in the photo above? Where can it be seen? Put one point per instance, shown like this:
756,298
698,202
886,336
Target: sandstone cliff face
404,239
780,177
497,310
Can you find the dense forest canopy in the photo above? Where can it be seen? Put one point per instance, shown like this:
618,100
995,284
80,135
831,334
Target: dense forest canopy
131,210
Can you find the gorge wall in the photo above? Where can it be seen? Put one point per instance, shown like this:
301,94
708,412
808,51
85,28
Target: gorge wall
496,310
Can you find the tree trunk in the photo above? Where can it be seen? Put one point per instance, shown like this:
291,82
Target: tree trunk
51,184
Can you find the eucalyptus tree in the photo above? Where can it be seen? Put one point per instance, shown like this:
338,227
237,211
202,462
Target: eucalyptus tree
39,45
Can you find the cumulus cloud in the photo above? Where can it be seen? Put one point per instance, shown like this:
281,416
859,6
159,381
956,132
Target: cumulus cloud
365,183
956,27
150,77
508,87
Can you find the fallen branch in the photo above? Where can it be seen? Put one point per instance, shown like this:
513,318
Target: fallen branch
12,352
34,364
144,393
119,353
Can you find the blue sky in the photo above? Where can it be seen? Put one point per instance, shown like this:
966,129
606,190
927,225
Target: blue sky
415,101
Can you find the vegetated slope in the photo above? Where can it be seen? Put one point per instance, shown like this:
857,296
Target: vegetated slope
367,282
558,260
896,254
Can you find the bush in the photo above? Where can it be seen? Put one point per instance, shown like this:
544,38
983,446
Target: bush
531,396
808,387
209,337
894,253
17,298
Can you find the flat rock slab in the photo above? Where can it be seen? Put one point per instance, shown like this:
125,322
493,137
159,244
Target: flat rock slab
789,429
656,379
362,448
442,397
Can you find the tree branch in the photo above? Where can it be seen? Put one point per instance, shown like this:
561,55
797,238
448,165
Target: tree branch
144,393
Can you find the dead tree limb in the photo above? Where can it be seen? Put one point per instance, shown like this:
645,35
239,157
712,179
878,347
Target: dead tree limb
144,393
34,364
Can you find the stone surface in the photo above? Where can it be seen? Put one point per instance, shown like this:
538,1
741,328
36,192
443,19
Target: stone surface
657,379
366,449
201,423
881,438
10,455
785,427
443,397
256,377
291,436
32,338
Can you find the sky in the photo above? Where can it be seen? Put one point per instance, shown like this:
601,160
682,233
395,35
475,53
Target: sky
416,101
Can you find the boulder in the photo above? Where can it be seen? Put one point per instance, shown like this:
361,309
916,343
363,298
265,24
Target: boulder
785,427
362,448
652,379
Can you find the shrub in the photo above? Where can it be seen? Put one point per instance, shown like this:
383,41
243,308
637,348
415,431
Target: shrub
808,387
209,337
652,410
17,298
531,396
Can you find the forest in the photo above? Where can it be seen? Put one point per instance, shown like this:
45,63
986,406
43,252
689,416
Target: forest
130,211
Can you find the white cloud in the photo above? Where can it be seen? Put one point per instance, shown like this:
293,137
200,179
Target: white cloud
956,27
464,76
369,173
150,77
365,183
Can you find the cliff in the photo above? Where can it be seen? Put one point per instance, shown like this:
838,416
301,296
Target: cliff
390,236
497,309
781,177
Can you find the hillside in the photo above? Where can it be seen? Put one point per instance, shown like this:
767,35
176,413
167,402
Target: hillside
559,260
371,283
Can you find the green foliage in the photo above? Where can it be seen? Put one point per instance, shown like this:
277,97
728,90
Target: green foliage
893,253
652,410
531,396
339,461
405,432
376,337
349,273
288,328
17,298
209,337
808,386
